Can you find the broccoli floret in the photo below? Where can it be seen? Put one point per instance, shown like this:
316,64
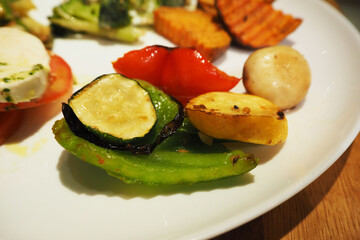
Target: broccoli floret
88,11
114,13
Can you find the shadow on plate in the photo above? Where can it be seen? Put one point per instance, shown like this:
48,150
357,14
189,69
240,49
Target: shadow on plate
84,178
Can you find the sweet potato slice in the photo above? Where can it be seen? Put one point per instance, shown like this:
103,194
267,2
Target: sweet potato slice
192,29
240,117
255,23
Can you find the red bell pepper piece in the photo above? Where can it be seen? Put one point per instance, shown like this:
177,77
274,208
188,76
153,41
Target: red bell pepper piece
145,64
180,72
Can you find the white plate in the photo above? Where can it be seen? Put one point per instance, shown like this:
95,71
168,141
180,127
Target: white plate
45,193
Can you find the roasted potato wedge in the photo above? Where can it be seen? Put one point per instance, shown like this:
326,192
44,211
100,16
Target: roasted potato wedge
240,117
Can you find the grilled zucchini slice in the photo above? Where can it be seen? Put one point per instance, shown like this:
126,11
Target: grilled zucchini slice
169,115
114,108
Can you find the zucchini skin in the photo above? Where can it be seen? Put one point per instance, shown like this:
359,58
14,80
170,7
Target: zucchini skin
181,159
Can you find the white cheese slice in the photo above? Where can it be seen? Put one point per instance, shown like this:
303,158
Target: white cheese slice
24,66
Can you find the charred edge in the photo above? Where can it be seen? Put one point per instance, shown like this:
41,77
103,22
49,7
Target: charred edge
75,125
170,128
235,159
165,47
199,107
172,48
250,158
281,115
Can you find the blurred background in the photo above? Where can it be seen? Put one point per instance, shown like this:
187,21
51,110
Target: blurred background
351,8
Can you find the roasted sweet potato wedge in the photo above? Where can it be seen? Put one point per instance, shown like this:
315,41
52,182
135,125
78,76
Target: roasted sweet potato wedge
240,117
254,23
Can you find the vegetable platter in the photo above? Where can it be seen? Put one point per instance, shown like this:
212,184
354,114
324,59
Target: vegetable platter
47,193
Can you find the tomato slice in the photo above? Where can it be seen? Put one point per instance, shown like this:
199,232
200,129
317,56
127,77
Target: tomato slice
145,64
9,122
60,83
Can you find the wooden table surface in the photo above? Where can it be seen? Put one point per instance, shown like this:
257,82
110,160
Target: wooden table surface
329,208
